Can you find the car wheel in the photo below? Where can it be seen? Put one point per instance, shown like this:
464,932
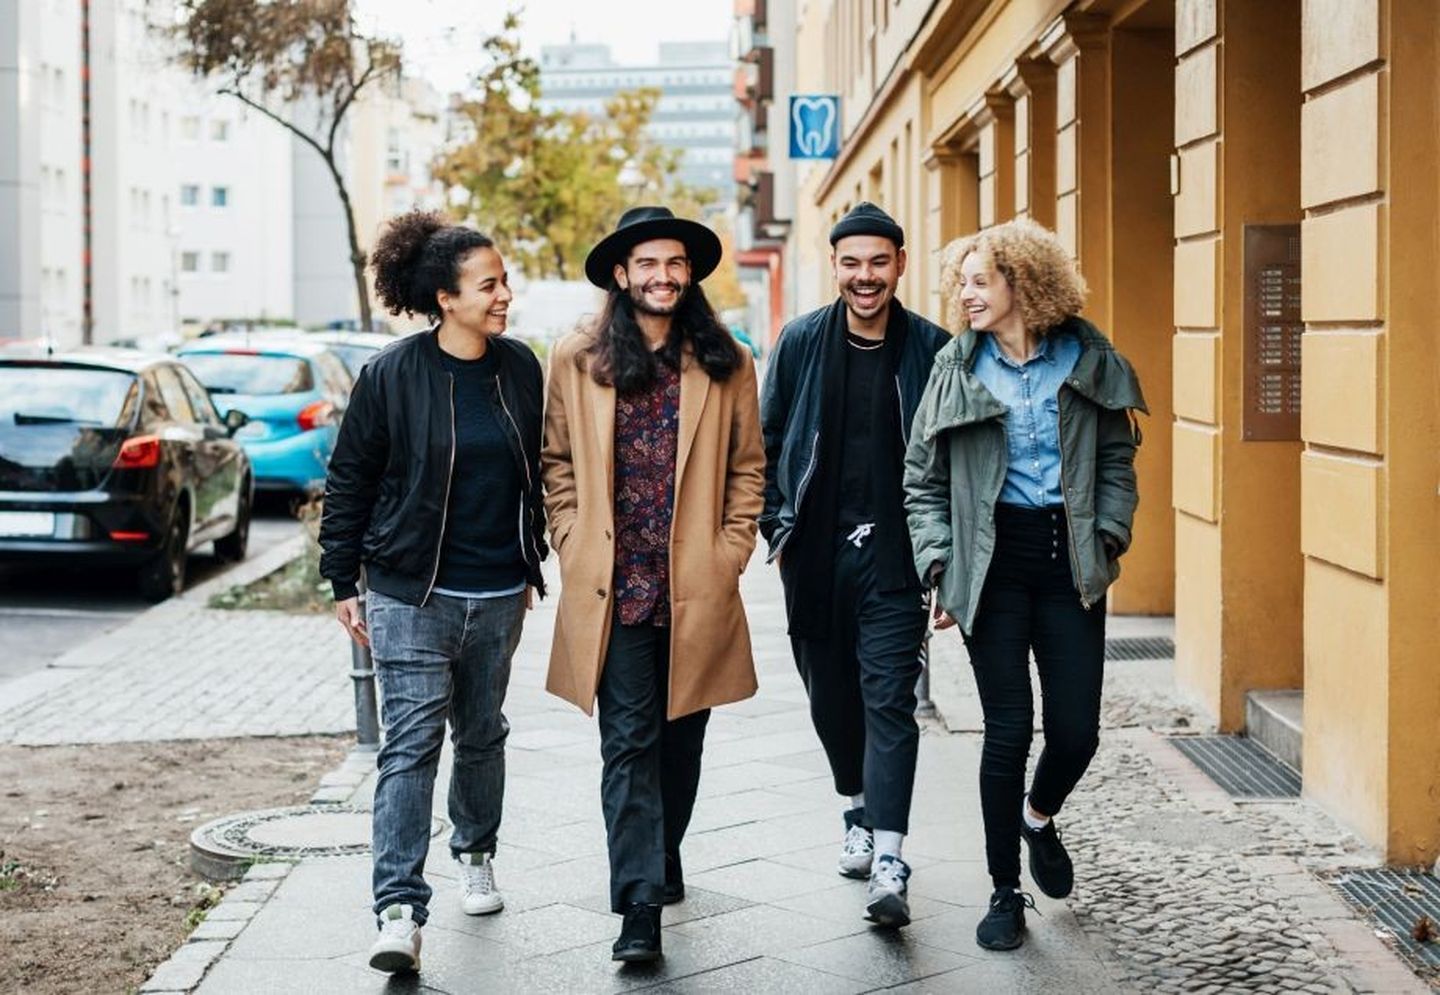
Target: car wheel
231,548
164,575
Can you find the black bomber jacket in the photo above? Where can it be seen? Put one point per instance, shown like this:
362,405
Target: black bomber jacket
389,476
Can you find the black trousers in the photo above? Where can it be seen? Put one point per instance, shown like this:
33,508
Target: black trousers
652,767
1029,602
861,685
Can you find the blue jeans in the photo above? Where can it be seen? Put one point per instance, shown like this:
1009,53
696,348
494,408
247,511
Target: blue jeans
448,659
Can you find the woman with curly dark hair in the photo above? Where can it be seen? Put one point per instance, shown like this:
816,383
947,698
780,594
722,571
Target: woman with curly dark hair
434,492
1020,493
653,471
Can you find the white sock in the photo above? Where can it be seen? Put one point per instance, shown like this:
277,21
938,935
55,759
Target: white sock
888,842
857,801
1030,820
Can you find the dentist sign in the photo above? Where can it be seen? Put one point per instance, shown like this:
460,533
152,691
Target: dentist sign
814,127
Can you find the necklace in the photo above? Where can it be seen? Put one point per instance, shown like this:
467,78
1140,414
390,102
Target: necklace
865,348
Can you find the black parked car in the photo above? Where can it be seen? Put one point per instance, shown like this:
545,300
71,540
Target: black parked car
119,457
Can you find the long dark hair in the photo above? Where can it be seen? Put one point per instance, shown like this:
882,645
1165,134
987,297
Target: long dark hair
619,357
418,256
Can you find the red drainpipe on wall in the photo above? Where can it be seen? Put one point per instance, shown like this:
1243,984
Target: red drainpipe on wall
87,273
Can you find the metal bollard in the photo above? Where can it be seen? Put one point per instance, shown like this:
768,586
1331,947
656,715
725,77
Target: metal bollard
924,707
362,672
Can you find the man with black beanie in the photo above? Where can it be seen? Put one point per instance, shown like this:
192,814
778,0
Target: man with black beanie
836,408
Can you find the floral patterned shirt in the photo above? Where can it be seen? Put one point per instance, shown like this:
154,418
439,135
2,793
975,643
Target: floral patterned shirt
646,433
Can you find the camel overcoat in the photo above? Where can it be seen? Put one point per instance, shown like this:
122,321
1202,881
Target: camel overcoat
719,493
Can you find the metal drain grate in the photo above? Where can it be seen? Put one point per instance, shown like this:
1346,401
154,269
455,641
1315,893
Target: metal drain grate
1396,899
1240,766
1140,648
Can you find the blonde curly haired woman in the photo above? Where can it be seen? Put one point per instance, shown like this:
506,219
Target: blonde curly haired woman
1020,492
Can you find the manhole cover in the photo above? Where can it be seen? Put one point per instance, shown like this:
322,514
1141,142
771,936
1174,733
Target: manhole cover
222,849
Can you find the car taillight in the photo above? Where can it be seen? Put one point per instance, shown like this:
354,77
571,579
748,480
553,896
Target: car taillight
130,536
315,414
139,453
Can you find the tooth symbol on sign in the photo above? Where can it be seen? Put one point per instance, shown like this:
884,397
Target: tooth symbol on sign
814,122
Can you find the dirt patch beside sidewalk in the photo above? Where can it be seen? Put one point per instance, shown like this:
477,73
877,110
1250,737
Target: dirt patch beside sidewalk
95,882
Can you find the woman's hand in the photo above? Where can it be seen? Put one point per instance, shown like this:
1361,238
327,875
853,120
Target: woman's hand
352,620
1111,545
939,616
529,597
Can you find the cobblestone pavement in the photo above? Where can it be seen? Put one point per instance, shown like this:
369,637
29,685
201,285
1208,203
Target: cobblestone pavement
184,671
1179,889
1190,891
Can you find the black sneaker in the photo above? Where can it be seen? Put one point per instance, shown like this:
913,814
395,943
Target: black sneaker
1050,866
1003,927
639,935
674,879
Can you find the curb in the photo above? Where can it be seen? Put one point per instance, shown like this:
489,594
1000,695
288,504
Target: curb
186,967
183,971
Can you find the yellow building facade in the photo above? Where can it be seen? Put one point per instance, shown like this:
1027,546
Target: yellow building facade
1250,190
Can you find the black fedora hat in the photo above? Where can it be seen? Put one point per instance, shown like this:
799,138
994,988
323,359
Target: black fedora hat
641,224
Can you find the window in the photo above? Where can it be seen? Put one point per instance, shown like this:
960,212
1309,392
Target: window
190,128
394,157
200,401
174,394
219,262
219,131
189,262
189,195
219,196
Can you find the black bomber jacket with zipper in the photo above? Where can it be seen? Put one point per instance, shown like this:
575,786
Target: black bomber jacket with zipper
388,482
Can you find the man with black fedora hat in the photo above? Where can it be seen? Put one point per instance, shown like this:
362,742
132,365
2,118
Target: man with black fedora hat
653,468
841,393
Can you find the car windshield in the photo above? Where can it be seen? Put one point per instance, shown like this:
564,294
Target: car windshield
247,373
39,394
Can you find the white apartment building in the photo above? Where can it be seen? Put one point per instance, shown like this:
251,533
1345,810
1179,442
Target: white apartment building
233,216
695,113
200,210
41,212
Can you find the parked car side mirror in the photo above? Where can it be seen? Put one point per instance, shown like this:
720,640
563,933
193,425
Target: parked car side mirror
235,420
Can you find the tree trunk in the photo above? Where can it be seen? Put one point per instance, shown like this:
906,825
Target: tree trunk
357,256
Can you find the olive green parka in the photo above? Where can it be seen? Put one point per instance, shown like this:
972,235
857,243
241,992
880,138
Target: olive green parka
956,462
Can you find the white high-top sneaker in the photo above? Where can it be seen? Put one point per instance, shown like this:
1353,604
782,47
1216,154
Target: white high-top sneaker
478,894
397,948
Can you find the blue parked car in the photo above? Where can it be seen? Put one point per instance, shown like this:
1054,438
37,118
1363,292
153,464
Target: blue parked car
294,393
353,348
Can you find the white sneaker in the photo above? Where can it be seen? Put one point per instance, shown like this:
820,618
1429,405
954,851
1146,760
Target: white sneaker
888,902
397,948
857,852
478,894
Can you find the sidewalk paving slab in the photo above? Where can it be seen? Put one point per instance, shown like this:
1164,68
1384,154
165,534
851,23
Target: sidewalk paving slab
1179,889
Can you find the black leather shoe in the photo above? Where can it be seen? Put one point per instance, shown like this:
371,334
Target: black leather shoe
639,936
674,879
1003,927
1050,866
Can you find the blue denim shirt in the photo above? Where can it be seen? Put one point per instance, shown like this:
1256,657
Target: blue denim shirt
1030,391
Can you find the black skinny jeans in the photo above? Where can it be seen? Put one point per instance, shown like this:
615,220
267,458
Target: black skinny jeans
1029,602
861,684
652,766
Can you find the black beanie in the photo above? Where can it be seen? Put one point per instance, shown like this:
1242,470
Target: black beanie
867,219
